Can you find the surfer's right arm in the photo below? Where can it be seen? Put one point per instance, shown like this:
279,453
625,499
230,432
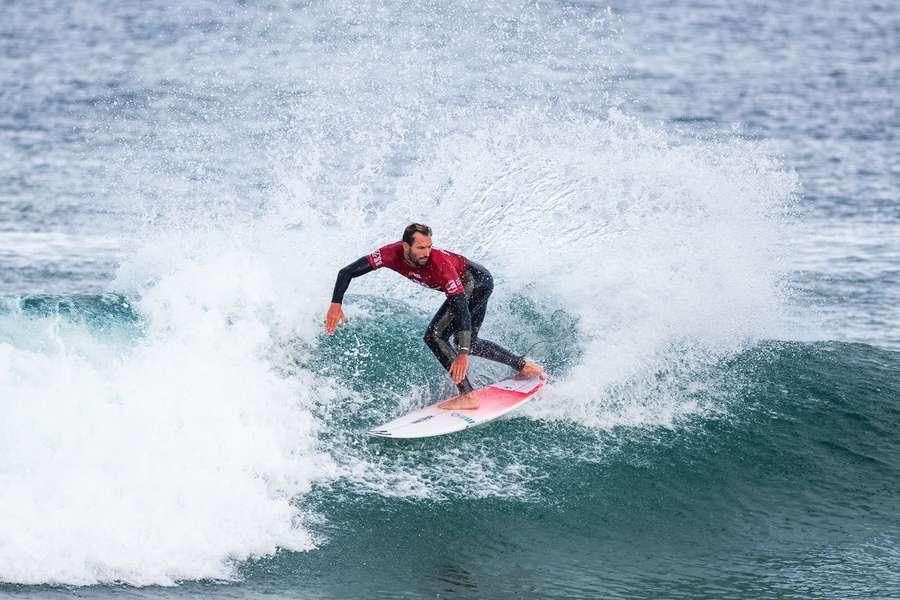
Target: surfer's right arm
335,314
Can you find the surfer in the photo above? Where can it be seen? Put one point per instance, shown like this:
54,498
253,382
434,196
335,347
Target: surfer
468,287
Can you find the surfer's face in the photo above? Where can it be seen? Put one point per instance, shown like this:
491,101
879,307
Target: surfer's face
419,251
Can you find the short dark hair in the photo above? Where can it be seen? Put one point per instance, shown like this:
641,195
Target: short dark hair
414,228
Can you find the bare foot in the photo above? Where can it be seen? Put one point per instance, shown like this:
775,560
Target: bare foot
531,369
462,402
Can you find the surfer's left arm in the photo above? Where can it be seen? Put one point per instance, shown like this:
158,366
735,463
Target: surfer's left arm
461,315
335,315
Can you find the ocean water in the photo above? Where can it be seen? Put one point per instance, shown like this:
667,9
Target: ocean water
692,212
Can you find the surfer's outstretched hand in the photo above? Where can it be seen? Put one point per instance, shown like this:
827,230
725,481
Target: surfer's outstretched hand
334,317
459,367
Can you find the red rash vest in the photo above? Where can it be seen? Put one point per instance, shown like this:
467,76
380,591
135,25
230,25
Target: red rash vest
443,271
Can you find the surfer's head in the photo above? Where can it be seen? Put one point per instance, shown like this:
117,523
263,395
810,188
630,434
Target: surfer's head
417,244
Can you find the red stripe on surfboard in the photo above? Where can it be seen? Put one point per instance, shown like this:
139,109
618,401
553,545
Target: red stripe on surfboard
491,398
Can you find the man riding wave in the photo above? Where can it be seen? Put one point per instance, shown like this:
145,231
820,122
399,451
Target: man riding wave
468,287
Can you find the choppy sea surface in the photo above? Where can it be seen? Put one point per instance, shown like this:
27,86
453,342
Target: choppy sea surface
692,213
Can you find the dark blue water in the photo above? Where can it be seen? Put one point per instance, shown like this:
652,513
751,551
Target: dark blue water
691,213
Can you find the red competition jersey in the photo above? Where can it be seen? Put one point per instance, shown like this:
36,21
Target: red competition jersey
443,271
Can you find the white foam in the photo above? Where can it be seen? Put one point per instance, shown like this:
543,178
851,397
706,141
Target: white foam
169,458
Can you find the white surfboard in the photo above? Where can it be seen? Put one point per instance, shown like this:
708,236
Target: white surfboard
495,400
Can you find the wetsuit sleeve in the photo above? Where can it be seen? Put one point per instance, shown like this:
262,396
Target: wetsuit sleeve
355,269
461,316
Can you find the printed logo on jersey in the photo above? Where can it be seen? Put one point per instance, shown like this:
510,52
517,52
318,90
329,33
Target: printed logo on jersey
453,285
376,258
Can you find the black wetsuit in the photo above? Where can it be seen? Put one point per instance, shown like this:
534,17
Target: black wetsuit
460,315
